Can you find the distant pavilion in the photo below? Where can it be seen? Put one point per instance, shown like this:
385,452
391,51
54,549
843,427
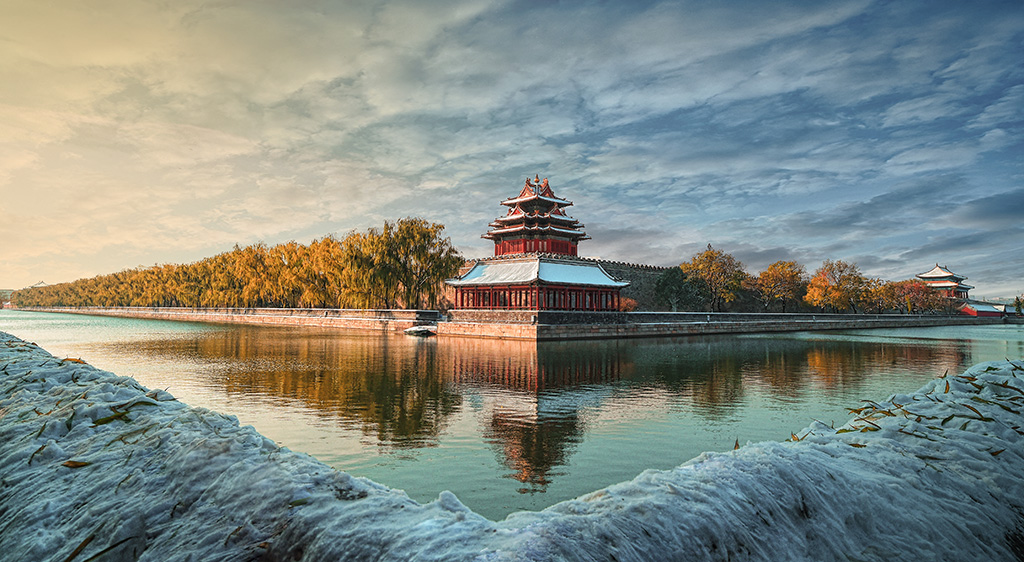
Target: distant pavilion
535,264
946,282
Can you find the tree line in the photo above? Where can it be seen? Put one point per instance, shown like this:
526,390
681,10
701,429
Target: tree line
401,265
715,280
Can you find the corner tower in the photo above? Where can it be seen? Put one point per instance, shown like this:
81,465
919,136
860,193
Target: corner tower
536,223
535,265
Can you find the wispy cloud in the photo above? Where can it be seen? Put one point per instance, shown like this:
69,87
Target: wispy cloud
168,132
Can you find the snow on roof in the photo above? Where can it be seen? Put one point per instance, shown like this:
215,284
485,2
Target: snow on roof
97,464
577,274
545,228
535,215
982,307
940,271
553,200
524,272
948,284
943,284
510,273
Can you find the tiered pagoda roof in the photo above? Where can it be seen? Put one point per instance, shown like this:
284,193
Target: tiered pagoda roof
535,264
941,278
536,214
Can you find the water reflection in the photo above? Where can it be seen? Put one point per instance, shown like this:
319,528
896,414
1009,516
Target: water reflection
391,390
535,402
535,366
541,389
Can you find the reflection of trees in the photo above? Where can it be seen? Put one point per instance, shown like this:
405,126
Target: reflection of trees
712,373
394,387
842,365
834,366
707,372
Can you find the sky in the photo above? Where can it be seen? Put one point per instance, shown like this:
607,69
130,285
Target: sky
887,134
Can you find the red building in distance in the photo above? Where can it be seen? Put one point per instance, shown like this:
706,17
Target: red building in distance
535,264
946,282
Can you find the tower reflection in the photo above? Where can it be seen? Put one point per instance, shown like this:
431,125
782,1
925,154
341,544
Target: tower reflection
536,393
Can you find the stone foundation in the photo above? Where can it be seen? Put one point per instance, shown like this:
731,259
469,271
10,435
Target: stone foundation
356,319
536,325
553,326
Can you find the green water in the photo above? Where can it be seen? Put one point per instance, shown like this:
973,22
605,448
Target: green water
510,426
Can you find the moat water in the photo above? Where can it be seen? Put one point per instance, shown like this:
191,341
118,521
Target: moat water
511,426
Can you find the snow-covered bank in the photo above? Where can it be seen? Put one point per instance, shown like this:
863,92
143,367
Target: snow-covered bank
93,463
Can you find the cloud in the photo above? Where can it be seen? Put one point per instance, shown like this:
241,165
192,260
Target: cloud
994,212
1004,111
172,131
922,110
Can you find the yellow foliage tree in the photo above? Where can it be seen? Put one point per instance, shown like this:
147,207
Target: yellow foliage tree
403,264
782,282
721,272
836,285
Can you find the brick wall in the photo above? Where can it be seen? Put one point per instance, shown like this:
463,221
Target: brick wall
718,324
641,281
378,320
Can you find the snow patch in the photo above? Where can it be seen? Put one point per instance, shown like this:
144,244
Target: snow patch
95,465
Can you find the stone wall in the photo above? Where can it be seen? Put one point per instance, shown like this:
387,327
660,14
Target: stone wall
359,319
641,281
690,324
566,317
535,325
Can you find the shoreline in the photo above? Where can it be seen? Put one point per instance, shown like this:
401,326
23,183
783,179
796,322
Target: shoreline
534,325
94,463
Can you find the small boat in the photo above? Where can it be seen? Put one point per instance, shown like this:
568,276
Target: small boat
421,331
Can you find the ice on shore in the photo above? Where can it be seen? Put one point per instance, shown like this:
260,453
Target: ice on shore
95,467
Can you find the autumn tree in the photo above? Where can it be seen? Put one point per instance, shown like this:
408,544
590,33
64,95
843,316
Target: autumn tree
782,282
425,259
404,263
721,272
366,281
677,291
915,296
836,285
878,295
